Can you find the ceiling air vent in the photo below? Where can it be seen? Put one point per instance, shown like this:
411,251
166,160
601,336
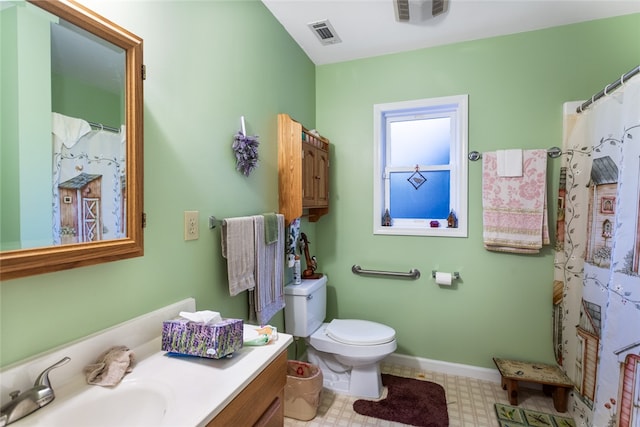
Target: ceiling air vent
325,32
439,7
402,10
419,10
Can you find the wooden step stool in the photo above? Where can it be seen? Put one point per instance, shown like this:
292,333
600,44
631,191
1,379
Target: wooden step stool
554,381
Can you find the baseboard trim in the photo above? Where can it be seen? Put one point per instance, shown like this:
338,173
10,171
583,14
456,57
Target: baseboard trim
449,368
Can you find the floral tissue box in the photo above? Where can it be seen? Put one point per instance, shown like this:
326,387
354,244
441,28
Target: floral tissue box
200,339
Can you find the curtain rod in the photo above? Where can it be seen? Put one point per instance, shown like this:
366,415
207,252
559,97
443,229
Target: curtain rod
610,87
103,127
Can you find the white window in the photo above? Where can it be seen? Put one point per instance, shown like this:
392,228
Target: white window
420,167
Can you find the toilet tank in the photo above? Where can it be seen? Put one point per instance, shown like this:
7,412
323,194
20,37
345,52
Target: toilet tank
305,306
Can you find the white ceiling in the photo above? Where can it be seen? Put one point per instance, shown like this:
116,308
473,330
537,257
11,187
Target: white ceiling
368,27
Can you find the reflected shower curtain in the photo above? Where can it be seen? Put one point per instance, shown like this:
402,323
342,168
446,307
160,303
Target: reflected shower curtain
88,182
597,287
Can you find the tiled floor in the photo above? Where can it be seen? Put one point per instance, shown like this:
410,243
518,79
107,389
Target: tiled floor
469,402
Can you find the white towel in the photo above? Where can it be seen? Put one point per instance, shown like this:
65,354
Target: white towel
509,162
68,130
238,248
269,271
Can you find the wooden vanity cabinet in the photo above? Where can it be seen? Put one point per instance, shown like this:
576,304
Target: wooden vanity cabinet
303,171
261,403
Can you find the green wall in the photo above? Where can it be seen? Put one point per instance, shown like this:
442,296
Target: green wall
26,116
9,151
516,85
208,63
76,98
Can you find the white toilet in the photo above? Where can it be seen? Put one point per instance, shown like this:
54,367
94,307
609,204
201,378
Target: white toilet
348,351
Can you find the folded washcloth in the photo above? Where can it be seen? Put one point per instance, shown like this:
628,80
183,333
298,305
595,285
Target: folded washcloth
270,228
509,163
110,367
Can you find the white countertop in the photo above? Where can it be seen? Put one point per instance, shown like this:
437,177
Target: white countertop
161,390
197,389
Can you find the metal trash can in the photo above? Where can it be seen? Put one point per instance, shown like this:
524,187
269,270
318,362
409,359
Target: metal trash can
303,390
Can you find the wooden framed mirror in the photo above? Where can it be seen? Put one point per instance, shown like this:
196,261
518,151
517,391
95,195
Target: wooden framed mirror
55,217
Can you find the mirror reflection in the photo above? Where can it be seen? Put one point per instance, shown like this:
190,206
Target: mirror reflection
63,132
71,139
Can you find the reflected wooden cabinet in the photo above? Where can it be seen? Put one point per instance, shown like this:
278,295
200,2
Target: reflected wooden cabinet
303,171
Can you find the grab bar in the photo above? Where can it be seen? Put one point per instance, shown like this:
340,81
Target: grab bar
413,274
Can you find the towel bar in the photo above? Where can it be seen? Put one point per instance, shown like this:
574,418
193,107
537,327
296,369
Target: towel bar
213,222
552,152
413,274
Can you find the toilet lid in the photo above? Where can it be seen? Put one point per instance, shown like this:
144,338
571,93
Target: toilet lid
359,332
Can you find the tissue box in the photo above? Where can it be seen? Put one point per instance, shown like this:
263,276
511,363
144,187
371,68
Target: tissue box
198,339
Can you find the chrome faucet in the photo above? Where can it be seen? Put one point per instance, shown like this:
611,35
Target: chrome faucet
22,404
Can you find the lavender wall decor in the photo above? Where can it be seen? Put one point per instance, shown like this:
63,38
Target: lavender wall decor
246,151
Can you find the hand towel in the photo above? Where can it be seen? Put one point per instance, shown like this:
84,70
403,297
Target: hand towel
110,367
238,247
269,272
270,228
515,209
68,130
509,163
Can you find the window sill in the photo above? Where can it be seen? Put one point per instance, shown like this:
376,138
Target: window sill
422,231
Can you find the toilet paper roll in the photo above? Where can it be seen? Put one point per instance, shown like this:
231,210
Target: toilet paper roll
443,278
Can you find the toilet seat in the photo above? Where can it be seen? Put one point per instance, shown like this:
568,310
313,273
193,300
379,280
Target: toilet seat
321,341
359,332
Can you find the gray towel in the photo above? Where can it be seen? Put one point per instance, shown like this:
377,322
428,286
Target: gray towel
239,249
110,367
269,271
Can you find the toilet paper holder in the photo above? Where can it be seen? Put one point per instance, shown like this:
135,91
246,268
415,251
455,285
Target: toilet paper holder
455,275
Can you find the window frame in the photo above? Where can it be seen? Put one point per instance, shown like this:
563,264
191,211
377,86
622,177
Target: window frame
456,107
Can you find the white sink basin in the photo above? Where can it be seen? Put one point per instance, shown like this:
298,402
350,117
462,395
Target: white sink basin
130,403
161,391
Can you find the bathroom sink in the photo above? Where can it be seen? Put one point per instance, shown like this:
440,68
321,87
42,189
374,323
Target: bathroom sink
161,391
130,403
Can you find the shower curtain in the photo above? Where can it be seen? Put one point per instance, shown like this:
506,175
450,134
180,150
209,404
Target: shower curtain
597,286
88,182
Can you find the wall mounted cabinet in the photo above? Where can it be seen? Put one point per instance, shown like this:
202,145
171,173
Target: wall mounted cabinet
315,179
303,171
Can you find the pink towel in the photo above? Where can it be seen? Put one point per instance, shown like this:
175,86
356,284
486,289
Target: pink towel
515,208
